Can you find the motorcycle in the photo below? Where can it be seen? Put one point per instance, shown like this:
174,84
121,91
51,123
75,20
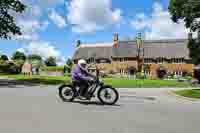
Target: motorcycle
105,93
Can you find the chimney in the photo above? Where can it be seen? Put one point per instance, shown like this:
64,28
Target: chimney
115,37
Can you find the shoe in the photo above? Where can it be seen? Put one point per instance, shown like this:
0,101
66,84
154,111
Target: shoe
82,98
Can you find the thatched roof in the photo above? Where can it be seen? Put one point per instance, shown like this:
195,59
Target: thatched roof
152,49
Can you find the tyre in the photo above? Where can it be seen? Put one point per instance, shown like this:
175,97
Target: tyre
108,95
66,93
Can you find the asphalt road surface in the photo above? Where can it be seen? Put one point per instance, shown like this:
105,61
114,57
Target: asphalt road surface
37,109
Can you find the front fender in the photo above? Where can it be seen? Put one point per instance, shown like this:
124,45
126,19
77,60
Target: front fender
65,85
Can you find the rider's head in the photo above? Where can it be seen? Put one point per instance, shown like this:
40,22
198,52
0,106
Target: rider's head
82,63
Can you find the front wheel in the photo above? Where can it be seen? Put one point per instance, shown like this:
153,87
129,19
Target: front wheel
108,95
66,93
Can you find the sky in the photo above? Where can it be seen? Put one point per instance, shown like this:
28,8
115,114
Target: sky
51,27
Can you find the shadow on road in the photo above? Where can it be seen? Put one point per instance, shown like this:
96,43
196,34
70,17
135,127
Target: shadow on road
93,103
139,97
14,83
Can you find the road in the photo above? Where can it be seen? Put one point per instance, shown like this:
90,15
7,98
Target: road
37,109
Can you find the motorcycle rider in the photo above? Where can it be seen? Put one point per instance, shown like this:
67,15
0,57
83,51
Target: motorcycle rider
81,77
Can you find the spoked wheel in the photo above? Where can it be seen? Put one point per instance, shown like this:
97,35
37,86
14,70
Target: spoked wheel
66,93
108,95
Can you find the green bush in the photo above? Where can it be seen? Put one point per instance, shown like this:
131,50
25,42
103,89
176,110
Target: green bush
140,75
107,76
161,72
11,67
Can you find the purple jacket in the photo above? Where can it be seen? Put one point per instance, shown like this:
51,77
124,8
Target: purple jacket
79,74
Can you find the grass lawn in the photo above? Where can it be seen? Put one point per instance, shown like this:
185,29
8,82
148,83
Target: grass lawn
126,83
52,80
118,83
195,93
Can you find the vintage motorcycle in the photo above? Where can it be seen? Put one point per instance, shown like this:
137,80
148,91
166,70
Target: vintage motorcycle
105,93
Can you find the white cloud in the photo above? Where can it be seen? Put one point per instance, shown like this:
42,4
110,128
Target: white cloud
30,28
159,24
44,49
92,15
44,4
31,22
57,19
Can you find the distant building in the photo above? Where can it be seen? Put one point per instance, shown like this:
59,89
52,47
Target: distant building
122,56
27,68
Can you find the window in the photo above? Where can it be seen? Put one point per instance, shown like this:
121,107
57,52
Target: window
178,60
148,61
160,60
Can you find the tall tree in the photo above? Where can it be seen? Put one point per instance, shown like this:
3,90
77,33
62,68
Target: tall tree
19,56
4,57
186,10
8,25
189,12
51,61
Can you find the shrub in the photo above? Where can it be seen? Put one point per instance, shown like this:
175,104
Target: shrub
161,72
140,75
111,72
10,67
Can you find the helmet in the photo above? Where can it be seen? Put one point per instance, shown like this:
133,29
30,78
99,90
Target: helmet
82,63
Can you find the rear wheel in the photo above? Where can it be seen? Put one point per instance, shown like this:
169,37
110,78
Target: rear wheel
66,93
108,95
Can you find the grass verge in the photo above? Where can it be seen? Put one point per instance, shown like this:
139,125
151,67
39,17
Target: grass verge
118,83
194,93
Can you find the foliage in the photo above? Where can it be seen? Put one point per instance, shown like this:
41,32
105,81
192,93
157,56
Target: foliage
111,72
140,75
68,66
8,26
51,61
19,56
78,43
34,57
161,72
194,50
186,74
36,60
11,67
187,10
4,57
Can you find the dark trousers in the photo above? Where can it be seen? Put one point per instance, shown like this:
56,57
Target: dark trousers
83,86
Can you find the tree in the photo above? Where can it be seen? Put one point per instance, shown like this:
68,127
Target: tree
19,56
4,57
35,57
69,65
8,25
36,60
51,61
78,44
187,10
